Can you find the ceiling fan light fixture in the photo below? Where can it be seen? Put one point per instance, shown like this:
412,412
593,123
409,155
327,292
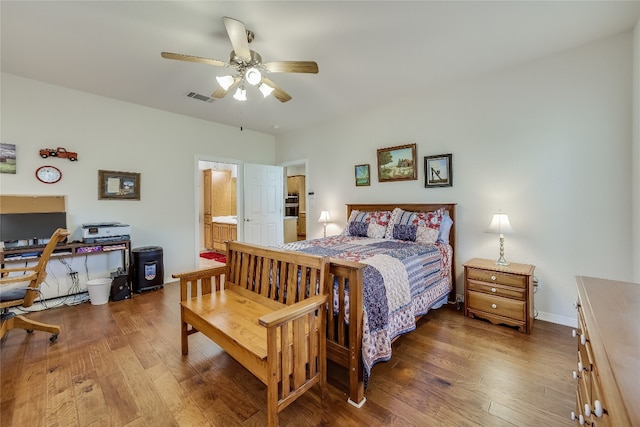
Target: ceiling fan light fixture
225,81
253,76
241,94
265,89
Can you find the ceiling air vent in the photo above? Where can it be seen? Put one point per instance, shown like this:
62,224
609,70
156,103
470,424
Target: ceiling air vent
200,97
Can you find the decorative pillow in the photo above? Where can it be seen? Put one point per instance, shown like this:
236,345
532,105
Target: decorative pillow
372,224
445,229
358,229
405,232
427,225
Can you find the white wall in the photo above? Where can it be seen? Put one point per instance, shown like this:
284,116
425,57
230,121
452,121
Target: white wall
549,142
636,153
114,135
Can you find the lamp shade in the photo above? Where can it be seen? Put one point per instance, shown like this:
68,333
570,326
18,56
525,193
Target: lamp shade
499,224
265,89
225,82
324,217
241,94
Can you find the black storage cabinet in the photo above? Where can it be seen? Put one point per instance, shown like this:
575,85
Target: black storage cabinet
147,268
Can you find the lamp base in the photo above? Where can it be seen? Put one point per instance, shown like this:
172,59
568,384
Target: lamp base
501,260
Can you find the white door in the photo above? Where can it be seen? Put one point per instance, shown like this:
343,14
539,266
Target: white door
263,204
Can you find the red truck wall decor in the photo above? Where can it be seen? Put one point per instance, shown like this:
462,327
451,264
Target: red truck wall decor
59,152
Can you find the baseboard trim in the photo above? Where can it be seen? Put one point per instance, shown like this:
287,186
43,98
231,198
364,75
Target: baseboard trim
561,320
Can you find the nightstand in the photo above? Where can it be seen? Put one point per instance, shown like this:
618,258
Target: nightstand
501,294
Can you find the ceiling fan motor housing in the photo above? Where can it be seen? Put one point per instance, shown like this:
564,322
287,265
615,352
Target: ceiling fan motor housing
239,63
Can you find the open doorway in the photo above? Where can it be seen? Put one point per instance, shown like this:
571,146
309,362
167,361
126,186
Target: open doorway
296,201
236,201
218,210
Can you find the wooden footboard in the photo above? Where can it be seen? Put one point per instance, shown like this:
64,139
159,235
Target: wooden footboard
344,330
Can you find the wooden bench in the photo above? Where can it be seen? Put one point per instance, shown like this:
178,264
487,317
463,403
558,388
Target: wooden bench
267,309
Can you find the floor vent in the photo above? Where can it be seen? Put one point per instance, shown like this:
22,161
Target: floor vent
200,97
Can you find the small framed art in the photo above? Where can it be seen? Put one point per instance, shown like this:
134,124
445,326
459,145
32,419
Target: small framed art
114,185
363,175
437,171
397,163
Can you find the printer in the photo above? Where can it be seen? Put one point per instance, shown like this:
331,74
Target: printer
105,232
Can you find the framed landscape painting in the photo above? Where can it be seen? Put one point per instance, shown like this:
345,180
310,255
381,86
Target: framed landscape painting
7,158
397,163
437,171
363,177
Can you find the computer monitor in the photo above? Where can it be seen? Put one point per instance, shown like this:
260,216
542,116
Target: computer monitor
32,227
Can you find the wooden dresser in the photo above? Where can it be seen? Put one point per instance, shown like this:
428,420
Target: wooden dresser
608,365
499,294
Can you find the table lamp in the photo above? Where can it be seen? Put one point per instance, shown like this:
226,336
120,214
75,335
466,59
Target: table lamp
325,218
500,225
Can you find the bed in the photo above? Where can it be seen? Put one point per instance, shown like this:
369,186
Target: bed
386,275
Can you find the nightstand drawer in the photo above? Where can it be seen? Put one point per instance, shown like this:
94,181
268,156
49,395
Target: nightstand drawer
498,305
498,290
497,277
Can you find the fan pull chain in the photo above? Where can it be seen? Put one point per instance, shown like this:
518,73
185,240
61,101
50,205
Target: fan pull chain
241,117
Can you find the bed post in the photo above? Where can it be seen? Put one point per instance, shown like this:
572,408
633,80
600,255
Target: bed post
356,371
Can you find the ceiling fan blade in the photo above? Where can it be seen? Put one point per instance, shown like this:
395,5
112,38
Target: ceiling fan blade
191,58
280,94
221,93
291,66
238,36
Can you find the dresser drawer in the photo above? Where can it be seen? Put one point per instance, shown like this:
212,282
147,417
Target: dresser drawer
498,290
499,306
497,277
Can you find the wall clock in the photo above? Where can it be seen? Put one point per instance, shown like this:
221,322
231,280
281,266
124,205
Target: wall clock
48,174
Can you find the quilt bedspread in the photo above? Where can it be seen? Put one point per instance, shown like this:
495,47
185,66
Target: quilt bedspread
401,280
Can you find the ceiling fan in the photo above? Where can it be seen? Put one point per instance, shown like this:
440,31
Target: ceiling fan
248,65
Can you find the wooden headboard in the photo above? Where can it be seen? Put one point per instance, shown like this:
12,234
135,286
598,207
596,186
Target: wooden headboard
419,207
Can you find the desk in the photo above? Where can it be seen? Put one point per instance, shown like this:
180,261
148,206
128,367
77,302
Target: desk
31,253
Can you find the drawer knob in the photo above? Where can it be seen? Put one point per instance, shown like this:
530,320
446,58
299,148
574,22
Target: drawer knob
493,277
576,304
575,375
580,367
494,290
574,333
494,306
597,408
583,339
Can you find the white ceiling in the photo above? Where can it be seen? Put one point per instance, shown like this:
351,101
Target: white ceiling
367,52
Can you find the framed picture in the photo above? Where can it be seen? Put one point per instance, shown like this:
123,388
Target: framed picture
8,158
362,176
437,171
118,185
397,163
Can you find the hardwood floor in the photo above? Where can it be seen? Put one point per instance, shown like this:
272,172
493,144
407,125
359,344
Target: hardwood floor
120,365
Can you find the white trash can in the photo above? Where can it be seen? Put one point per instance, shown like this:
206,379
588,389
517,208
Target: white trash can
99,290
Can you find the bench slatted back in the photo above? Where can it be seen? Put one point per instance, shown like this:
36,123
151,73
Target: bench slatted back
283,276
200,282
